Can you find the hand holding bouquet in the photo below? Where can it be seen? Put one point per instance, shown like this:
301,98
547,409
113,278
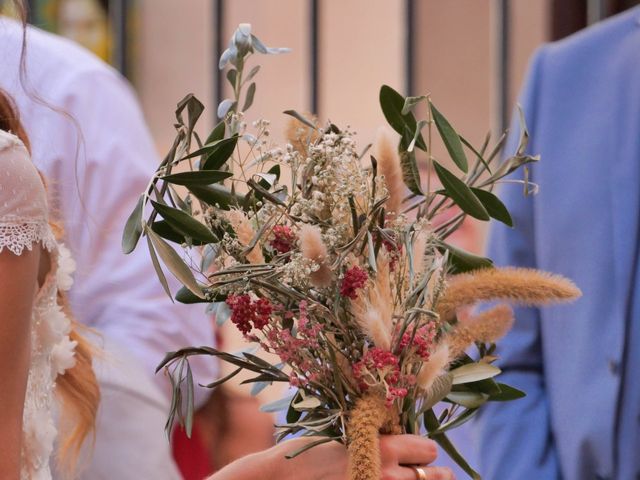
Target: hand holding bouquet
328,257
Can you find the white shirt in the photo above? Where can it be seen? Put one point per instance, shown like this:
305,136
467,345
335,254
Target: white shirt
95,179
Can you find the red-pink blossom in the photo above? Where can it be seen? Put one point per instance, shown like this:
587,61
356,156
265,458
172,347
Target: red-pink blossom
354,279
247,314
283,239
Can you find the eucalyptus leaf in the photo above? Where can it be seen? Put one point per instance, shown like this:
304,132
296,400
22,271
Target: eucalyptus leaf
462,261
494,206
156,266
133,228
473,372
232,75
188,424
217,195
252,73
468,399
224,107
507,393
217,133
199,177
248,101
460,193
431,424
184,295
185,223
300,118
218,156
174,263
392,104
450,138
461,419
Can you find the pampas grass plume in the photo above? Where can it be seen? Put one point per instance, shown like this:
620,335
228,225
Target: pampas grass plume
389,166
433,368
244,231
313,248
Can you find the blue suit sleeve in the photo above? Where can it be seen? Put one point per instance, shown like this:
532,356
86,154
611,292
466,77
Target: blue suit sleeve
514,439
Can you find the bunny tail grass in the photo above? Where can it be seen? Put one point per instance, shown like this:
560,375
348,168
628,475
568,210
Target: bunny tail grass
519,286
369,417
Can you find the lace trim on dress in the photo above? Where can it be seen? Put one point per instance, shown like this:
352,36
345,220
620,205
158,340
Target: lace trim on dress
17,233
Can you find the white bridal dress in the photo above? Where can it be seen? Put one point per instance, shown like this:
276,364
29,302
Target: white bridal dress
24,224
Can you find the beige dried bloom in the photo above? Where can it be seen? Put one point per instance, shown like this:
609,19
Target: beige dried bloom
313,248
434,367
245,234
389,166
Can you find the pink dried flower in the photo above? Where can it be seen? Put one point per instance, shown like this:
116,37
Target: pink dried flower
377,367
247,314
354,279
422,341
283,239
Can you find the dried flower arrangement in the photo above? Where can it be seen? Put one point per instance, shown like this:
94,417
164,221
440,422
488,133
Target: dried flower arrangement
337,267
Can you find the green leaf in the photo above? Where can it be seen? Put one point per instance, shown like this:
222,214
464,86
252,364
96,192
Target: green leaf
217,133
217,195
252,73
450,138
200,177
248,99
188,425
300,118
133,228
468,399
185,224
166,231
184,295
156,265
410,172
232,74
461,419
431,424
473,372
462,261
460,193
194,110
220,154
174,263
507,393
392,104
494,206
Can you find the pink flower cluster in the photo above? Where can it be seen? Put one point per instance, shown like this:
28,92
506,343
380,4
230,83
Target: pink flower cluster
422,341
283,239
354,279
380,366
247,313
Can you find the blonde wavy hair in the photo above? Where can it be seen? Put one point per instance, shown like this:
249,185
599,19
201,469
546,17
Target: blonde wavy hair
77,389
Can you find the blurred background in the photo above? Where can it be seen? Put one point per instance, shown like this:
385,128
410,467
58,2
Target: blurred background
470,55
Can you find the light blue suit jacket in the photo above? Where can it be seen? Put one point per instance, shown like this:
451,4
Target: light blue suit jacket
582,103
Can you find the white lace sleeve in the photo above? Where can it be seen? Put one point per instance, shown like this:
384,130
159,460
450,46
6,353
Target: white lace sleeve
23,200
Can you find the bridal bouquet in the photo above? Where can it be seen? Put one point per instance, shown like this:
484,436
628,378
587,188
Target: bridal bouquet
331,257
